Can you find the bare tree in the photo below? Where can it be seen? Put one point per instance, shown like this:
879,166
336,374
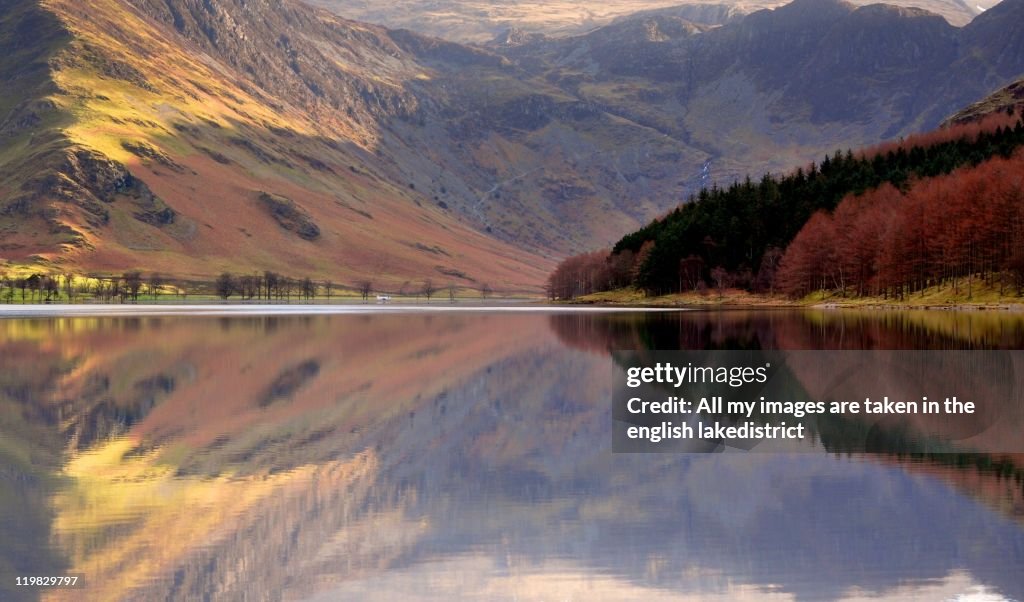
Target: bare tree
34,282
328,287
485,291
580,275
111,289
156,284
721,277
52,287
69,287
308,288
271,281
120,290
691,272
256,291
133,284
225,285
451,292
428,289
248,286
365,288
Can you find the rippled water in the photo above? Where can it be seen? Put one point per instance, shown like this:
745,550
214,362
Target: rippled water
455,455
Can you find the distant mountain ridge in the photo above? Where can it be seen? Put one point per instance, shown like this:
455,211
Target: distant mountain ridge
772,85
480,20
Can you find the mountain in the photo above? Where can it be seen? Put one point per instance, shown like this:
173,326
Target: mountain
879,199
477,21
193,137
1009,99
777,88
481,20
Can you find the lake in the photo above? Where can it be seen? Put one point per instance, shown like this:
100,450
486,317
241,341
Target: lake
393,454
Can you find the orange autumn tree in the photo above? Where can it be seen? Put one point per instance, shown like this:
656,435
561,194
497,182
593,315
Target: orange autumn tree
948,230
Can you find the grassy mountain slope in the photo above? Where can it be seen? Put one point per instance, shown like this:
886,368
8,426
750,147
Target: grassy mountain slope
190,140
1009,99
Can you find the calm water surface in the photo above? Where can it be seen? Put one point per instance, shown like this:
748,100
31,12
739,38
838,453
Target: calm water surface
440,456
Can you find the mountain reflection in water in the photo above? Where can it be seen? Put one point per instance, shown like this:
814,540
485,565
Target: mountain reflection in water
438,456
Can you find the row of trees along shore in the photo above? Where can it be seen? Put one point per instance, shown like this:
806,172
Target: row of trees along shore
132,286
933,209
273,286
49,288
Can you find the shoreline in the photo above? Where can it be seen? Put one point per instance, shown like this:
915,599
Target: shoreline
88,310
664,304
742,300
736,306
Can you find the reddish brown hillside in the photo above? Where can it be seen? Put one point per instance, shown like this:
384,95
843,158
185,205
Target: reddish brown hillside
192,140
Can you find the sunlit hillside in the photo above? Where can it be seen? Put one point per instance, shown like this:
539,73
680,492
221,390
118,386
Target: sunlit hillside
161,156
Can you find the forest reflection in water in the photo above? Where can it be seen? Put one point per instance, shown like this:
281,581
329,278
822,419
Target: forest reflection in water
438,456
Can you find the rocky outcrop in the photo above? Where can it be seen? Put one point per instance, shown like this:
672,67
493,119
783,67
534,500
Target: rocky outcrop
292,53
289,215
89,182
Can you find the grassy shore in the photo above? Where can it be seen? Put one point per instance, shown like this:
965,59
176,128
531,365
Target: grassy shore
730,297
977,297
